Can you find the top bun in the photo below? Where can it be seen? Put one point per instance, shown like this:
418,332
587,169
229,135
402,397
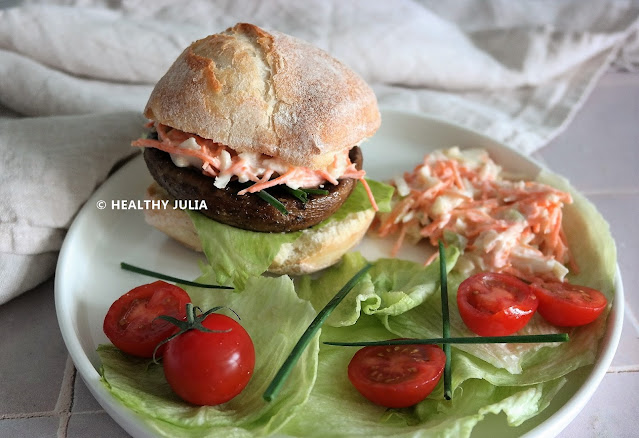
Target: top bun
266,92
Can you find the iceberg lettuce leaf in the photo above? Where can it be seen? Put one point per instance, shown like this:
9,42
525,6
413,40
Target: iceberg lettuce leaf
236,254
140,384
510,364
395,299
336,409
391,287
589,238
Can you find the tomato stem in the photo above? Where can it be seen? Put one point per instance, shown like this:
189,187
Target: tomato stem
193,322
448,393
138,270
286,368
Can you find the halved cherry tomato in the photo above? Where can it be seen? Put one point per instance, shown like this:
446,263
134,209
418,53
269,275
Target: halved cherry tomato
568,305
206,368
396,376
131,322
495,304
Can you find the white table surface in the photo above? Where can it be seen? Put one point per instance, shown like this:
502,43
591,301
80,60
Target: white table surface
41,396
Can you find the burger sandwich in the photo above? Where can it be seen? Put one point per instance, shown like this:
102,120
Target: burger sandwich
263,129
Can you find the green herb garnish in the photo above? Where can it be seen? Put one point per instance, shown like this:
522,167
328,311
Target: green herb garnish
310,332
273,201
448,394
128,267
299,194
302,194
315,191
512,339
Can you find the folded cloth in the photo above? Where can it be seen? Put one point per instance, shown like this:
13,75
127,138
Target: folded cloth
49,167
515,71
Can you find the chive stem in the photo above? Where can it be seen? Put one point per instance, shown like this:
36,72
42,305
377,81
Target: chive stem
512,339
273,201
315,191
287,367
448,393
138,270
300,195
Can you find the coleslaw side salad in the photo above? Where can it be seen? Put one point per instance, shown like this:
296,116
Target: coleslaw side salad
465,199
395,299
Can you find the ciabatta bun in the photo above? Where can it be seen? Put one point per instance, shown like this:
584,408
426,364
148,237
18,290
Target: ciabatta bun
266,92
314,250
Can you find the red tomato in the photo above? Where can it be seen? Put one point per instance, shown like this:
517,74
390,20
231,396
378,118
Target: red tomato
567,305
206,368
396,376
131,324
494,304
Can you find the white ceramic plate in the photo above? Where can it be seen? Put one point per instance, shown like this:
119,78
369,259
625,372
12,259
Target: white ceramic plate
89,279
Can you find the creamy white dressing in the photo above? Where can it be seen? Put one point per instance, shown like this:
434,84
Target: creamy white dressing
187,160
252,166
402,186
444,204
528,259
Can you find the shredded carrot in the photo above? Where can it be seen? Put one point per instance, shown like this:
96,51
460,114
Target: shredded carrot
399,241
270,183
431,259
496,217
371,198
148,143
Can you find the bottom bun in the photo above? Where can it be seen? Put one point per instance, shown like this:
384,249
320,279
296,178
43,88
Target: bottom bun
314,250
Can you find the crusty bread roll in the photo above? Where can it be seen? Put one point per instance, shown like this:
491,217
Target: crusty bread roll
290,107
314,250
266,92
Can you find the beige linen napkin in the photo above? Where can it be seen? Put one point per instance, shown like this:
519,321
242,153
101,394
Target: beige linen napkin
49,167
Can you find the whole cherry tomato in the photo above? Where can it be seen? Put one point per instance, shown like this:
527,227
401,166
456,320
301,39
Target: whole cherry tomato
568,305
210,368
495,304
396,376
131,322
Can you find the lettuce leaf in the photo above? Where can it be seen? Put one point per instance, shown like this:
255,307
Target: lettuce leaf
336,409
503,364
140,385
396,298
589,239
236,255
391,287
